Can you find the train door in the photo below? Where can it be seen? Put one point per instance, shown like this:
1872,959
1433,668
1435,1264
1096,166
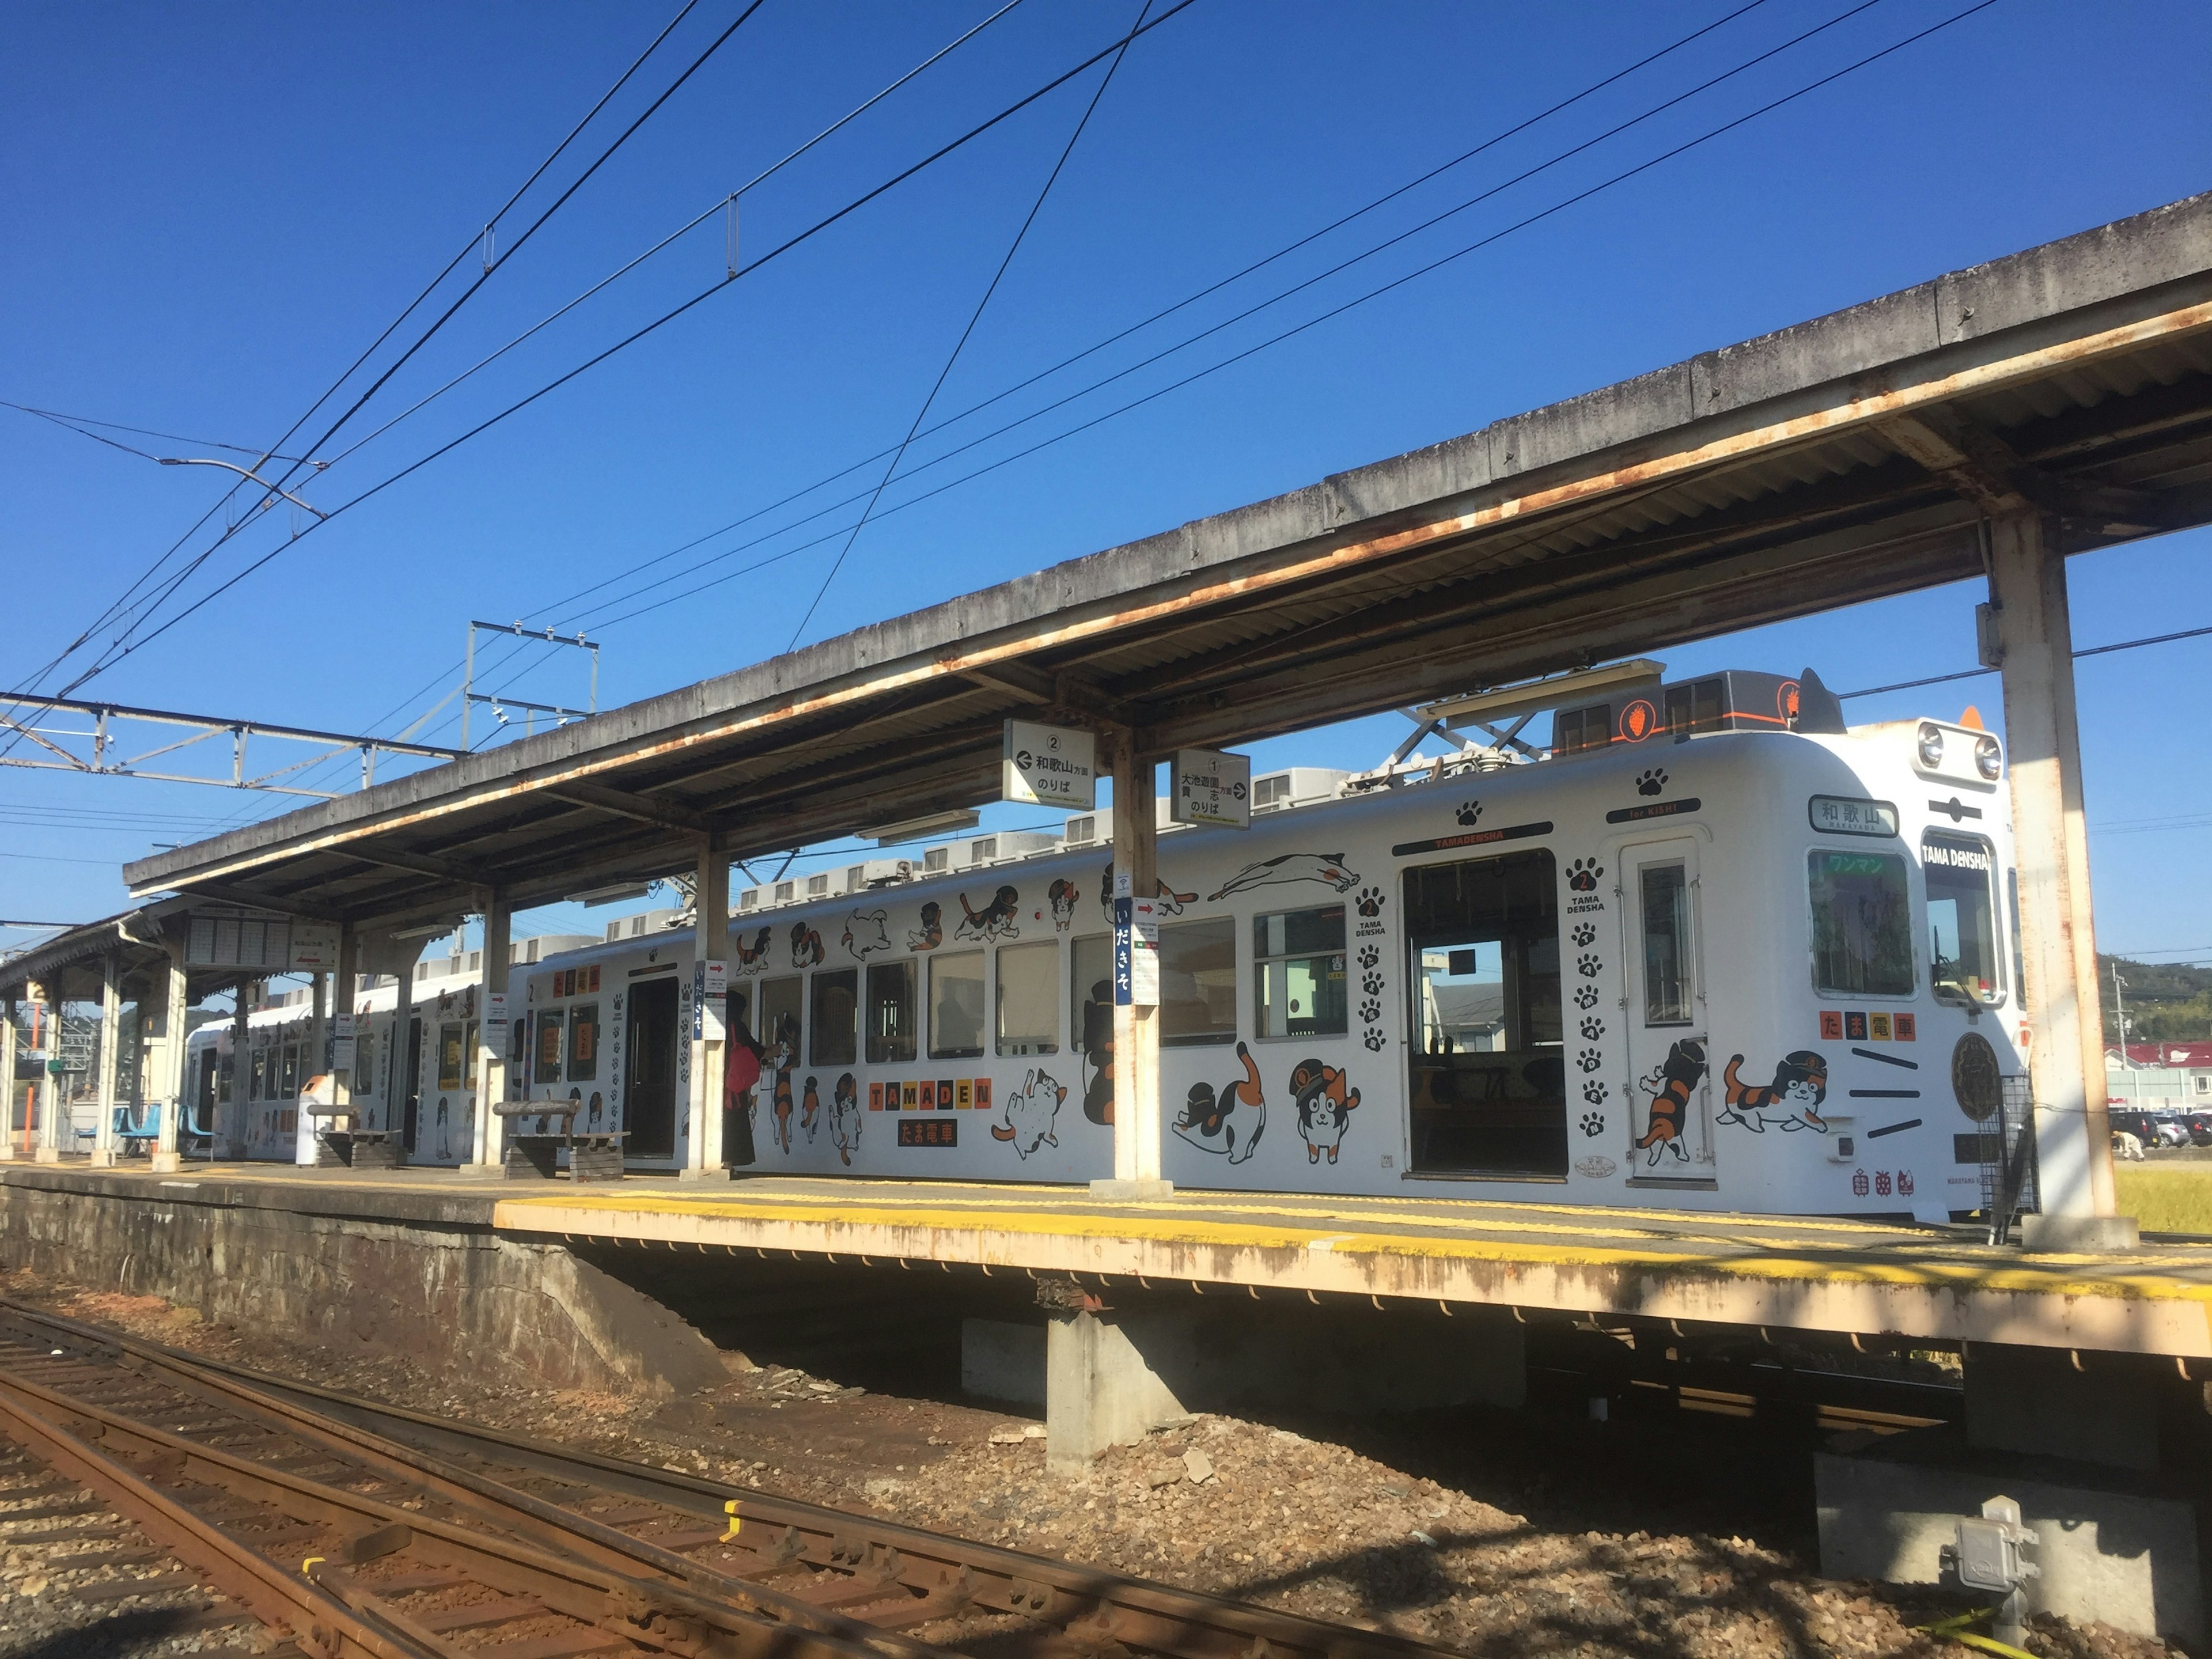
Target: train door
409,1115
1670,1107
650,1116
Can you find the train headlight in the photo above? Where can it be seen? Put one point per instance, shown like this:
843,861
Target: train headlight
1931,744
1989,758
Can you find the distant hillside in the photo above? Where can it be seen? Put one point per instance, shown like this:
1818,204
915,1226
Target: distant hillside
2166,1003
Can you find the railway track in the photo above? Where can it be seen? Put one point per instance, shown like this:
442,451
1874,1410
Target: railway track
365,1529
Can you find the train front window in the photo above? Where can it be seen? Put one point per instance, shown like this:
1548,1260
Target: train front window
955,1006
1664,895
548,1069
1297,970
1861,924
1029,998
1962,923
1487,1081
778,1031
835,1017
890,1012
1198,981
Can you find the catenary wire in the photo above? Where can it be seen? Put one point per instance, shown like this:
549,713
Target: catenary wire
78,422
975,316
126,648
1326,316
1240,316
1976,673
153,569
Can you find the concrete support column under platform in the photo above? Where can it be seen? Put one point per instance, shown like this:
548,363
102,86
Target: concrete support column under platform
1136,1167
711,894
490,1060
1111,1374
50,1079
111,1034
170,1084
2105,1454
2058,935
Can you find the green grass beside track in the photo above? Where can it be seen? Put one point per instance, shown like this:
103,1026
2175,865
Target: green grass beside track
2166,1197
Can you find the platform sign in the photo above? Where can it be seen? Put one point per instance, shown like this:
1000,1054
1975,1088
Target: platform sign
1136,953
314,947
495,1008
1050,766
1211,788
707,1003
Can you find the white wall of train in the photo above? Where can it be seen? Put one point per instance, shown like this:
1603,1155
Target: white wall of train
1737,970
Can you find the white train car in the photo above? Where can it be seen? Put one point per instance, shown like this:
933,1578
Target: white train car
1717,952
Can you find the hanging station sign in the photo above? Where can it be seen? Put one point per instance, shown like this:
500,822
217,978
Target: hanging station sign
1211,788
1050,766
314,947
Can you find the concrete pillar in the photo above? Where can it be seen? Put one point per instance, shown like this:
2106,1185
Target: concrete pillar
1099,1388
170,1089
232,1120
110,1035
2028,585
485,1147
342,1000
712,889
50,1081
1136,1028
7,1078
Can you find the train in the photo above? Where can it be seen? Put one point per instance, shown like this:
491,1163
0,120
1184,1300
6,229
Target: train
1713,950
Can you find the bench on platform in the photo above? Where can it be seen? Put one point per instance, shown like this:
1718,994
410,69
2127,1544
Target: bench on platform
341,1144
536,1154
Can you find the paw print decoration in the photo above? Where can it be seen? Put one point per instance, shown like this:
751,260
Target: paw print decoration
1372,984
1593,1124
1374,1039
1369,1012
1368,956
1652,782
1588,966
1589,1060
1594,1092
1583,874
1469,810
1368,901
1592,1028
1583,934
1585,996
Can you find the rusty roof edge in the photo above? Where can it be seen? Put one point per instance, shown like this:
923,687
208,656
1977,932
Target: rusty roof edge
87,938
2074,276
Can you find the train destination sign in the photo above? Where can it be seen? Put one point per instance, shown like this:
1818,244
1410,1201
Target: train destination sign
1050,766
1843,815
1211,788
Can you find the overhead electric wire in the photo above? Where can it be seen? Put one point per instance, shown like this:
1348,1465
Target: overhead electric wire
1302,327
78,422
126,648
1188,300
975,316
270,453
1977,673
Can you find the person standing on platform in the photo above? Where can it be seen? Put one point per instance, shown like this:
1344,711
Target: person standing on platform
741,1070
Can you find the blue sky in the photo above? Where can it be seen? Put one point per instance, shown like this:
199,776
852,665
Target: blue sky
211,212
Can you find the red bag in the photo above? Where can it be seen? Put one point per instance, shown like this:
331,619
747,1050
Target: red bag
741,1071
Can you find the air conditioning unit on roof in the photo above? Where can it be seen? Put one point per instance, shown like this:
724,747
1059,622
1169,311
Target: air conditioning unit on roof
1298,786
1006,844
878,872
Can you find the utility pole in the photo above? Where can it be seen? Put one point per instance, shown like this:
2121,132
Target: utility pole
2120,1018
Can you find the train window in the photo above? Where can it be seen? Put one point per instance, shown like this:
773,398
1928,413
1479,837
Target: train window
834,1017
1297,964
548,1068
1574,729
1090,993
1962,922
1665,898
291,1072
1029,998
449,1056
890,1012
1861,924
1487,1073
260,1075
584,1043
955,1006
778,1031
1694,708
222,1082
1198,981
364,1063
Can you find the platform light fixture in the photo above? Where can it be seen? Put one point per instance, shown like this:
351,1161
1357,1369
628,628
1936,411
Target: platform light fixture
1554,691
614,894
935,823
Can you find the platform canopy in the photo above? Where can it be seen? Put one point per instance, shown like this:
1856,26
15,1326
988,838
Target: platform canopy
1844,458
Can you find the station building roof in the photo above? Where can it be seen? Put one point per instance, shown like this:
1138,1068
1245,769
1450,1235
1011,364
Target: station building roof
1844,458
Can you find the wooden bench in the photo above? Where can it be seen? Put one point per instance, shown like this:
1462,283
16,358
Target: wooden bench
341,1144
536,1154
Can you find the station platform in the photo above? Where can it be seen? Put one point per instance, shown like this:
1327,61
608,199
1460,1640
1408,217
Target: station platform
1845,1276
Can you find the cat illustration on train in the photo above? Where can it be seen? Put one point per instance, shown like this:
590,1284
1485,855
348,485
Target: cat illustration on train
1029,1114
1788,1104
1327,868
999,918
1667,1089
751,958
1231,1120
931,933
1324,1108
866,932
1170,902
